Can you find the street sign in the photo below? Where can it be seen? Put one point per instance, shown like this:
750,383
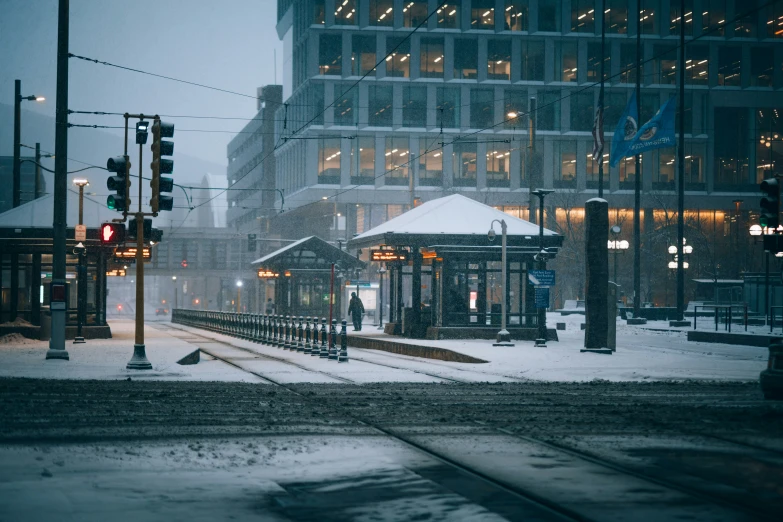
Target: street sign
80,233
541,277
116,272
388,255
358,283
129,254
542,297
267,274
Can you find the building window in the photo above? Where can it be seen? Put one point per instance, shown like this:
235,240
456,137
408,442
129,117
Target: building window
774,20
676,17
498,164
591,167
628,63
582,16
626,172
549,15
414,106
647,16
448,107
380,105
532,66
731,148
729,66
515,109
582,111
565,57
465,59
382,12
697,64
430,161
594,62
499,60
482,14
464,159
516,15
481,104
398,59
329,161
319,11
330,54
768,137
565,166
694,167
616,16
745,27
414,13
761,67
664,180
363,160
614,105
344,106
664,64
363,55
448,15
713,16
346,14
431,58
316,109
548,110
397,158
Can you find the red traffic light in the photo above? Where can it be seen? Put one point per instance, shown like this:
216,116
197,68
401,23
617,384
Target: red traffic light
184,263
112,233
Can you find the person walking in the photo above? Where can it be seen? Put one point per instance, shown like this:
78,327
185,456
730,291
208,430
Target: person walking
356,311
270,307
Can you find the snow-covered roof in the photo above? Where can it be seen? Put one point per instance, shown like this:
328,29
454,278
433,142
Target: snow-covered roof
279,251
39,213
454,215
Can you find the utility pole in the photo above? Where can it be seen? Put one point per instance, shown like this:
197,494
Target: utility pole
599,127
681,171
637,192
541,257
17,181
57,289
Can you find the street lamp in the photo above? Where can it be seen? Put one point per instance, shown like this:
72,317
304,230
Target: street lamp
616,247
381,271
239,296
674,251
18,98
504,337
174,282
81,270
755,231
541,258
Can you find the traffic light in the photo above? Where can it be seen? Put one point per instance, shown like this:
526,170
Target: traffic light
770,203
119,183
160,166
156,235
251,242
112,233
132,227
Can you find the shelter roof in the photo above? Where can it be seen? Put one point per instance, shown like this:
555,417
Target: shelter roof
307,253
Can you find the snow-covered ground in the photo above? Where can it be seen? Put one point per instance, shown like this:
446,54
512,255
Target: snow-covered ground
643,353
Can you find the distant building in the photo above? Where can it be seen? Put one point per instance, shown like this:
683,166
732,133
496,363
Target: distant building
27,171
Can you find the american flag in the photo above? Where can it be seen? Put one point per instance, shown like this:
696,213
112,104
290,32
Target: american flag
598,133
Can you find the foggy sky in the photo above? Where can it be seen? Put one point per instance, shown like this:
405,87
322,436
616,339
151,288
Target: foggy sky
227,44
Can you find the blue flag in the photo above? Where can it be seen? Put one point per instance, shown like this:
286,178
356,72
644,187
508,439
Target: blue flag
625,132
658,133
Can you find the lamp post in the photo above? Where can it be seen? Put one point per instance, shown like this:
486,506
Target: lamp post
18,98
755,231
174,282
239,296
541,258
616,247
504,337
381,271
81,252
673,263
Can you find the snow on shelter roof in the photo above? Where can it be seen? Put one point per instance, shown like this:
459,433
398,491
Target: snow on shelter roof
452,215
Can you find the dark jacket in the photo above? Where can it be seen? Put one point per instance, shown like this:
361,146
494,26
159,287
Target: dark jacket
355,307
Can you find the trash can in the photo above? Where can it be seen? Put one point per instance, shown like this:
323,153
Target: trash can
45,332
496,313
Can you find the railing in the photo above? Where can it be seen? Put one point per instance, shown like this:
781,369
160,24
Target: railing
726,309
274,330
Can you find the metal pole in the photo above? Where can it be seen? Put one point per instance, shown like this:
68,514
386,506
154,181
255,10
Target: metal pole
81,289
614,253
57,341
239,299
531,125
681,173
17,181
331,294
503,335
541,341
601,98
380,288
139,360
766,285
637,192
37,192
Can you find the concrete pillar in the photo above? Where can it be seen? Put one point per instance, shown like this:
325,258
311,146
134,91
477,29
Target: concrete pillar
597,273
35,291
416,288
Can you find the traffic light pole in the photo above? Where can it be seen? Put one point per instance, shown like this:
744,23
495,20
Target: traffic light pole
139,360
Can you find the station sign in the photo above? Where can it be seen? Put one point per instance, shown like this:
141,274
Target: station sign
116,272
388,255
267,274
129,253
541,277
542,297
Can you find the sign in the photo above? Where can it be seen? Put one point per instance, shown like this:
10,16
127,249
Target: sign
541,277
112,233
128,253
542,297
267,274
358,283
80,233
116,272
388,255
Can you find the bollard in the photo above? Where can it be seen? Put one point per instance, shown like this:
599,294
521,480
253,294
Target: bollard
263,329
256,328
289,336
343,357
333,340
308,348
323,352
273,331
300,336
280,331
286,341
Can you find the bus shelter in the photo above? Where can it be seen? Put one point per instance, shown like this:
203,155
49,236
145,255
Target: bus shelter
302,276
445,272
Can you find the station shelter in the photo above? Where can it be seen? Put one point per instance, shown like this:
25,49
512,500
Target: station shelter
447,281
301,273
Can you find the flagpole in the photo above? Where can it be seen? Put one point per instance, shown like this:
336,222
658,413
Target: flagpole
637,193
681,171
601,102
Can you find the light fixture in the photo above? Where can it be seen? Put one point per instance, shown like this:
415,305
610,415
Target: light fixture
755,230
672,250
239,284
80,182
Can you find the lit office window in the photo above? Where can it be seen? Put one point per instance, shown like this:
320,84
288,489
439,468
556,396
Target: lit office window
448,15
761,67
628,66
345,12
398,59
363,58
330,54
582,16
465,59
565,167
616,16
713,17
532,67
664,64
464,164
774,20
499,60
414,13
380,105
482,14
565,58
594,62
363,160
432,58
345,112
319,11
516,15
329,160
729,66
515,111
676,17
431,161
498,159
397,159
381,12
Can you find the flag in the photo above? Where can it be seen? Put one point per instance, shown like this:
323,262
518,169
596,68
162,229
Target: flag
598,133
658,133
625,132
